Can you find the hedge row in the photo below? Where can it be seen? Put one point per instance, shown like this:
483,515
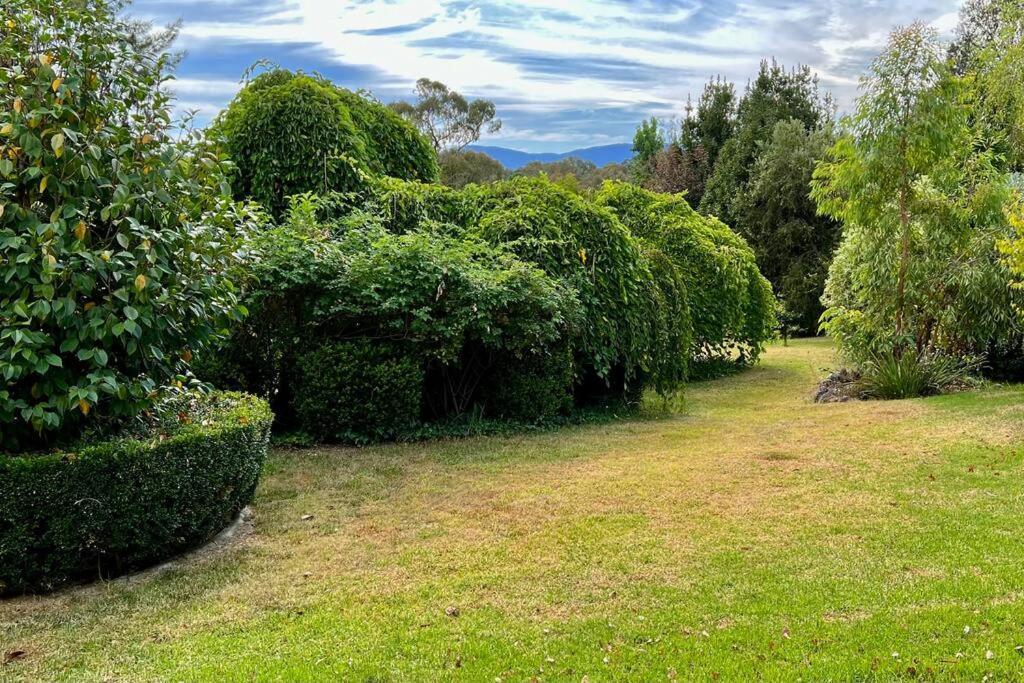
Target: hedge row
120,505
403,303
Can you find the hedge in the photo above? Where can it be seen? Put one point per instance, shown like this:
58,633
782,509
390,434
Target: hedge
123,504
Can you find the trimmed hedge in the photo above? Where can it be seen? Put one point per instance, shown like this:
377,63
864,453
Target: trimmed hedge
358,391
124,504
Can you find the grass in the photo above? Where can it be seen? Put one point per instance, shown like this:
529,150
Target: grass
748,535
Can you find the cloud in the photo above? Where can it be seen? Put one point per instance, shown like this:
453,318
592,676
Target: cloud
567,72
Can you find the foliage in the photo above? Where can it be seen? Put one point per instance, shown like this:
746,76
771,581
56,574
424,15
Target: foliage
731,304
358,391
909,375
532,387
923,205
120,249
117,505
465,167
647,142
574,173
449,120
777,94
713,124
290,133
587,249
793,244
675,170
454,301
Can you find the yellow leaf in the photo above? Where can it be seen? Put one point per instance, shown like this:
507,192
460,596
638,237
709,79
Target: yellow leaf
43,183
186,356
11,24
45,58
19,104
56,84
2,207
84,406
80,231
105,256
583,256
147,245
147,138
89,306
7,129
51,260
140,282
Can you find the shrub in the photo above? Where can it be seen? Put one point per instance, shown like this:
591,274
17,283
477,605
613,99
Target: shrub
456,302
533,388
121,504
119,251
590,251
889,376
358,391
731,304
294,133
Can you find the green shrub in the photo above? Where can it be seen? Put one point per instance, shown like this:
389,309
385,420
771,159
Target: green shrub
457,301
294,133
358,391
118,505
119,251
534,388
590,251
731,305
888,376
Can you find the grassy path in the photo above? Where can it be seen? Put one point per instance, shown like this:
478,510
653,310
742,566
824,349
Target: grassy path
752,535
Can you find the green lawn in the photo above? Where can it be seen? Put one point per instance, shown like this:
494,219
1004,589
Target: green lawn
751,534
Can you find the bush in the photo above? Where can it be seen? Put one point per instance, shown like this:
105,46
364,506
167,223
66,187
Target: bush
534,388
591,252
118,505
731,304
119,251
456,303
888,376
358,391
294,133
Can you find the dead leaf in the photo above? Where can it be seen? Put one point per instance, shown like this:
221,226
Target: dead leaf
13,656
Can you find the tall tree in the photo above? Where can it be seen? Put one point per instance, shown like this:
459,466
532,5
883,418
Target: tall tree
777,94
648,141
793,244
448,119
714,121
462,168
922,204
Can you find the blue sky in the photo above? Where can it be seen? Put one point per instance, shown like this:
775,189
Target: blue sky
564,75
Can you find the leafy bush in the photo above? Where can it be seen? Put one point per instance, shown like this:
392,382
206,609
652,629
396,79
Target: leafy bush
591,252
119,249
731,305
294,133
457,302
888,376
358,391
114,506
534,388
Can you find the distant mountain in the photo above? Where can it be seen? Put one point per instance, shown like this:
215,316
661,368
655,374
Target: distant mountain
513,159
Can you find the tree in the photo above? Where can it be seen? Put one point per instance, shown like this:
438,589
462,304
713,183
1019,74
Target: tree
777,94
648,141
793,244
714,122
120,247
448,119
575,173
923,206
459,169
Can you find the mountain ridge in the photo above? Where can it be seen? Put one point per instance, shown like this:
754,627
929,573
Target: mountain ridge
514,159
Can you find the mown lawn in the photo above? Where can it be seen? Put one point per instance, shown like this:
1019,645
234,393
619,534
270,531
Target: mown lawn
749,535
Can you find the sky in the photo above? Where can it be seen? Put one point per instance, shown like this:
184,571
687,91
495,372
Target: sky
564,75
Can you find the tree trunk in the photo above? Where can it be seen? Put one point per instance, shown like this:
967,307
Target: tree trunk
901,277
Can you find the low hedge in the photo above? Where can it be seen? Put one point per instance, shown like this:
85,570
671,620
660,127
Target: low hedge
130,502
